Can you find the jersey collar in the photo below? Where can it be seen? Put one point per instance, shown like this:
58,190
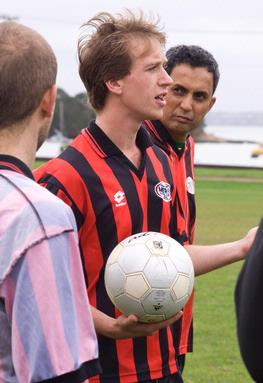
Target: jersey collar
8,162
167,138
109,148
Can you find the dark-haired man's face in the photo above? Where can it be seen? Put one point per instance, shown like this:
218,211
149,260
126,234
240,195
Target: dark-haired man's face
189,99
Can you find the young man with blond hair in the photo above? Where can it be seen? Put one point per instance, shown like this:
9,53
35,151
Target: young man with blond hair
119,183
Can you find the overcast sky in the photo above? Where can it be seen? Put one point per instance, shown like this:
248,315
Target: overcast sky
232,30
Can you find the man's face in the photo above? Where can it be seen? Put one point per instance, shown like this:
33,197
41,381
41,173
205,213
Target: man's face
145,87
189,99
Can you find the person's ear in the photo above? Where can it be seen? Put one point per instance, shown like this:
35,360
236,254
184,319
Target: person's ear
48,102
212,102
114,86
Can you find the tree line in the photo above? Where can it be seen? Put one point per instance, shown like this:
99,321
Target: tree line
72,114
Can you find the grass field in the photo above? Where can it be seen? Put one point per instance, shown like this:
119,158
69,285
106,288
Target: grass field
38,163
229,173
226,209
229,202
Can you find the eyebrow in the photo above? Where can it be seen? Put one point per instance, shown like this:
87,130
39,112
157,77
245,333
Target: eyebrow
175,85
156,62
202,92
184,88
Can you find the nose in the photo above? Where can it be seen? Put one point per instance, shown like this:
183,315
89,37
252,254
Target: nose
165,79
186,102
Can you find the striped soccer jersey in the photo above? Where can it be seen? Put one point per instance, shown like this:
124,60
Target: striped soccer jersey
183,165
46,329
112,199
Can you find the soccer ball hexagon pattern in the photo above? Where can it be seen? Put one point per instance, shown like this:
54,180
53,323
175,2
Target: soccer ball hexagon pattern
150,275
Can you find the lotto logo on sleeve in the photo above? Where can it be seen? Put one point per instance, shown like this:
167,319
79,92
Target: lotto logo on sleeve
163,190
119,198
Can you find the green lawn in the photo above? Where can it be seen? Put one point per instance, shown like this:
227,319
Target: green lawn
226,210
228,172
38,163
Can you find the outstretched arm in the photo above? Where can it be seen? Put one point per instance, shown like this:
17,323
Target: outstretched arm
208,258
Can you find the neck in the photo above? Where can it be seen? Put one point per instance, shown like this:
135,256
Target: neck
19,142
177,137
122,130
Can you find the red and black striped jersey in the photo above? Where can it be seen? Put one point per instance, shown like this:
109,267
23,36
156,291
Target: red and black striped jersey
112,199
183,162
183,165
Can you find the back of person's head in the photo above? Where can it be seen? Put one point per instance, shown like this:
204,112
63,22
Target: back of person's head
105,54
28,68
194,56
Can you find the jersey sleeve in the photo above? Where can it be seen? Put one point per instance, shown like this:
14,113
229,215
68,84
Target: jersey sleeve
52,184
248,298
53,336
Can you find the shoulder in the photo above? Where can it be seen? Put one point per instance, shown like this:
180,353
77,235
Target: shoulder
29,215
67,163
53,214
190,141
161,153
24,196
156,137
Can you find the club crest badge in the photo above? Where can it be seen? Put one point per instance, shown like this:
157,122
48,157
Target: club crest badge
163,190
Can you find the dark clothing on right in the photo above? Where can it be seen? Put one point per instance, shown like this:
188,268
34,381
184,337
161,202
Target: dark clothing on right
248,299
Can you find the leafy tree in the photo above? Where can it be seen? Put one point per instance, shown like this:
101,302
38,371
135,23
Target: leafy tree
72,114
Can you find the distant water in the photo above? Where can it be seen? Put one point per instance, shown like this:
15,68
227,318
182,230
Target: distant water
215,154
231,154
226,154
49,150
242,133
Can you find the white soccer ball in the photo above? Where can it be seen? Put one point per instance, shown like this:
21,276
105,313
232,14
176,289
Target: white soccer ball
150,275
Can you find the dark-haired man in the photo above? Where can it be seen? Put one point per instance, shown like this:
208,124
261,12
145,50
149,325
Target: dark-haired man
190,97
